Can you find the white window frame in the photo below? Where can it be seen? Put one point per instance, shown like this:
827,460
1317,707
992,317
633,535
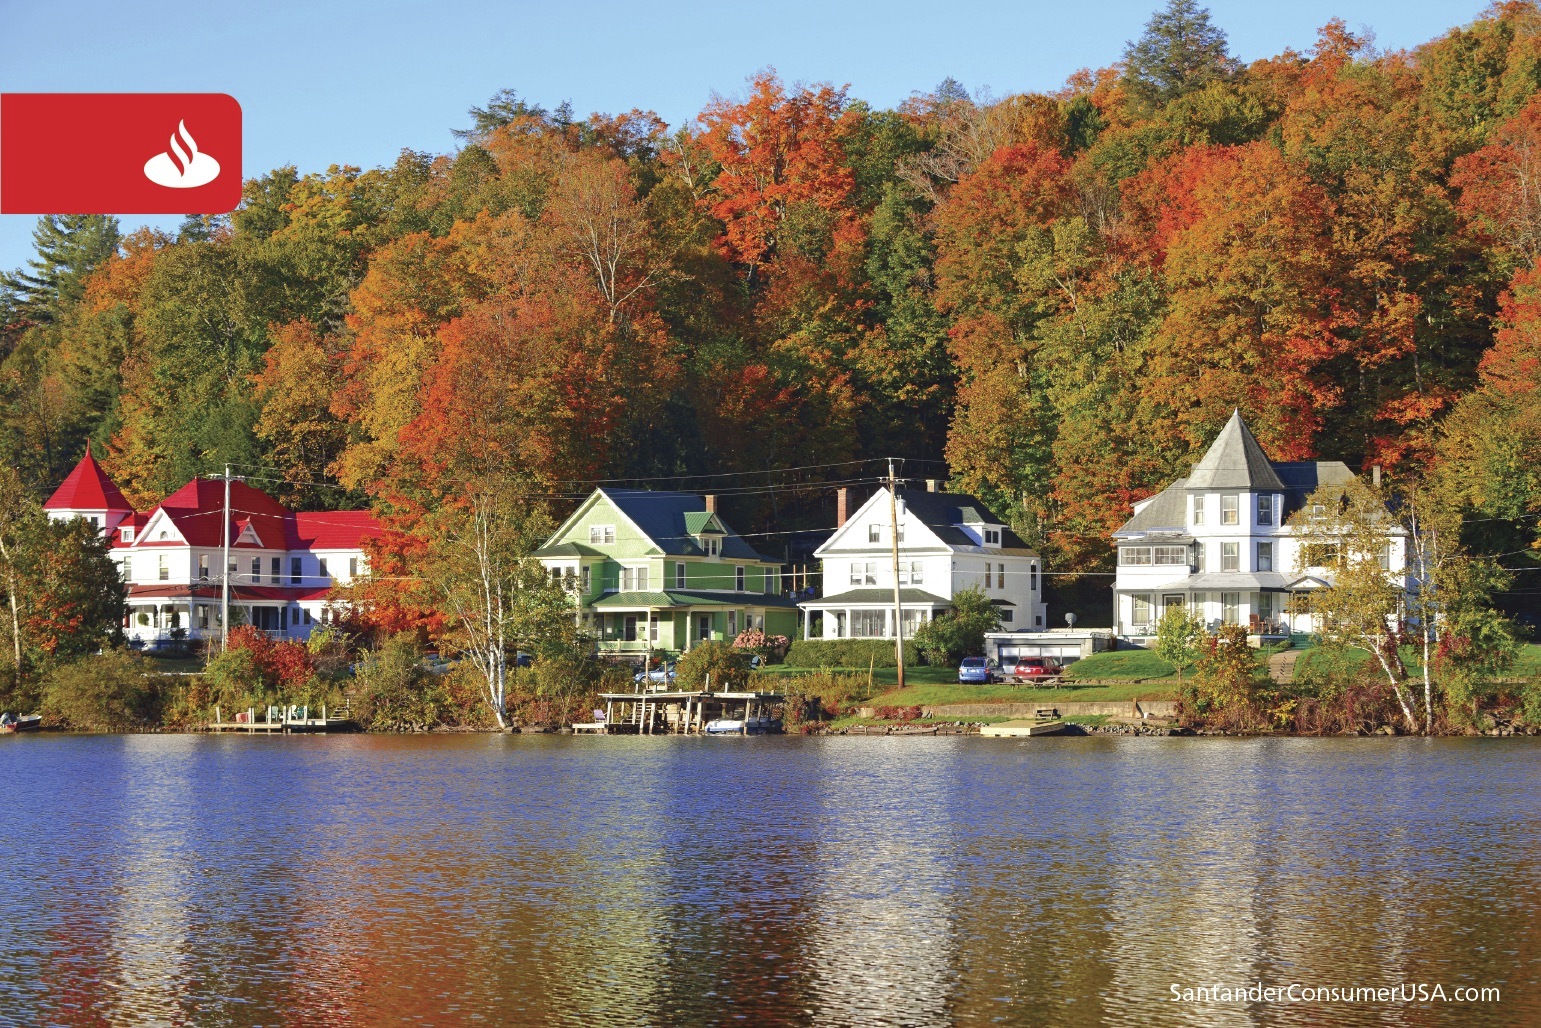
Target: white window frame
679,574
1198,509
1265,509
1137,601
1230,557
739,578
1264,556
1230,508
874,533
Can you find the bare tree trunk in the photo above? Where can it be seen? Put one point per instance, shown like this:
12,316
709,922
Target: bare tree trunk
10,592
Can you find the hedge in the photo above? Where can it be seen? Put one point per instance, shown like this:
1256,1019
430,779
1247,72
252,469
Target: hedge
853,653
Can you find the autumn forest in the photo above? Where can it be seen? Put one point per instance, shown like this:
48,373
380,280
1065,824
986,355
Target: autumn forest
1052,300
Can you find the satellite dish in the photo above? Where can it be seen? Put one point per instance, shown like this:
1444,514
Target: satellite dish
1070,619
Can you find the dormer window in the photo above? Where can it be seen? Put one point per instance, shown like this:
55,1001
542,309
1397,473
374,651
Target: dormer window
711,545
126,534
992,537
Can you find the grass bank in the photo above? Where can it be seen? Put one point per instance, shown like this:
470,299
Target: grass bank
933,695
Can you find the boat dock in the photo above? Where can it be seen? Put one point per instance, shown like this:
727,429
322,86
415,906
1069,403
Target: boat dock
292,719
676,712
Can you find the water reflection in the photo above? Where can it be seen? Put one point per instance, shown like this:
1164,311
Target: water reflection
195,880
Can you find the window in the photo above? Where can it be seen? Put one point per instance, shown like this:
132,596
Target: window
679,574
912,572
321,565
1139,610
277,571
1319,555
992,537
1266,605
1000,576
203,615
770,575
1032,577
203,567
128,568
1005,613
1230,509
1230,556
738,578
1383,555
1200,559
710,544
1198,509
652,631
1134,555
733,623
874,533
1265,508
306,612
601,534
1265,556
630,632
1230,608
1198,603
1172,555
634,579
556,576
868,624
126,534
352,568
864,572
585,578
256,570
294,571
162,571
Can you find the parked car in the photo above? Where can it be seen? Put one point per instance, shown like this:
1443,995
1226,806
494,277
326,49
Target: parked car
662,674
976,671
1036,669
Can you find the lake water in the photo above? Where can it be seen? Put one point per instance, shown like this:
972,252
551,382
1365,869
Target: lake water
203,880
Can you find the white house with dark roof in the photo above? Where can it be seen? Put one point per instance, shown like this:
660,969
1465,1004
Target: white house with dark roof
1218,543
283,563
948,542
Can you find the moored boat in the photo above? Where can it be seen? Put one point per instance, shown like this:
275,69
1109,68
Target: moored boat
743,726
26,723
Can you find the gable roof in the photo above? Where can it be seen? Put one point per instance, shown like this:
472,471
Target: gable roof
87,487
1235,460
941,514
670,521
331,529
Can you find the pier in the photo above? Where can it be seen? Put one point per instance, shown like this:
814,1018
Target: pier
676,712
292,719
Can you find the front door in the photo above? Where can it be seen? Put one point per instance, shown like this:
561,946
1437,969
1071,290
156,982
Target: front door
704,627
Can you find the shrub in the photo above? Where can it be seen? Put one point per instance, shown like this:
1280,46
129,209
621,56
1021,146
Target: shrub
960,632
851,653
396,694
717,662
771,647
105,692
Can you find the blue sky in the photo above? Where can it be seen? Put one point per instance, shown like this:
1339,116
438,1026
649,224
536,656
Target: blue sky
353,83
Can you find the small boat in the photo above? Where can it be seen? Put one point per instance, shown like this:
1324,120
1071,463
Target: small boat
27,723
743,726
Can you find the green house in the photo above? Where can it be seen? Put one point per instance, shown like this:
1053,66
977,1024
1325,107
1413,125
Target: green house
660,570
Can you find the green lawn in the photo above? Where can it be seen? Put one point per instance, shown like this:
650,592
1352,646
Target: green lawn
880,676
1528,665
1120,664
932,695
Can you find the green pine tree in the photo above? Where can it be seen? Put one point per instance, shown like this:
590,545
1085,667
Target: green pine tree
69,247
1180,52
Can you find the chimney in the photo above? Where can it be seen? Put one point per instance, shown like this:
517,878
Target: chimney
930,485
842,505
711,503
1375,476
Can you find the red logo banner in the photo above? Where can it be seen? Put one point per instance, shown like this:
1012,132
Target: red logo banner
119,153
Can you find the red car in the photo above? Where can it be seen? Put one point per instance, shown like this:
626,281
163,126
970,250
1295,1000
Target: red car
1036,669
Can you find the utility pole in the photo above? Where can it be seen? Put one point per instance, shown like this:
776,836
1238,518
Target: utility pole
224,577
893,520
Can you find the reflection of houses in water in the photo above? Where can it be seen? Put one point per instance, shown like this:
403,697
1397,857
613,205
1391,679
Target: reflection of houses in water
883,945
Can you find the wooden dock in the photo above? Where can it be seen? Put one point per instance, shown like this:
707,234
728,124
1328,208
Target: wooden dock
1021,728
675,712
290,720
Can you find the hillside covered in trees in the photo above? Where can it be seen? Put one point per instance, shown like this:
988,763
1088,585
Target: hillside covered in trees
1053,299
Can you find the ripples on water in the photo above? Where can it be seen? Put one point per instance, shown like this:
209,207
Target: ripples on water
203,880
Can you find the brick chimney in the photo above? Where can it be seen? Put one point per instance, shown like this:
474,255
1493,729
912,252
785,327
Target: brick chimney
842,505
711,503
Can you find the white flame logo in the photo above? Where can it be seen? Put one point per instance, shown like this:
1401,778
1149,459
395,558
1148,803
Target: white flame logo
182,168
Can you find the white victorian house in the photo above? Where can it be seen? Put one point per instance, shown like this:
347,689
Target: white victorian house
283,564
948,542
1219,543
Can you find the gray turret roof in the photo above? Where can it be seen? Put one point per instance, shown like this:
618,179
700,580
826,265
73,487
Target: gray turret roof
1235,461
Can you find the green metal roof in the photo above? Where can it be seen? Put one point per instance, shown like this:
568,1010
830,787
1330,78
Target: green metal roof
568,550
699,521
